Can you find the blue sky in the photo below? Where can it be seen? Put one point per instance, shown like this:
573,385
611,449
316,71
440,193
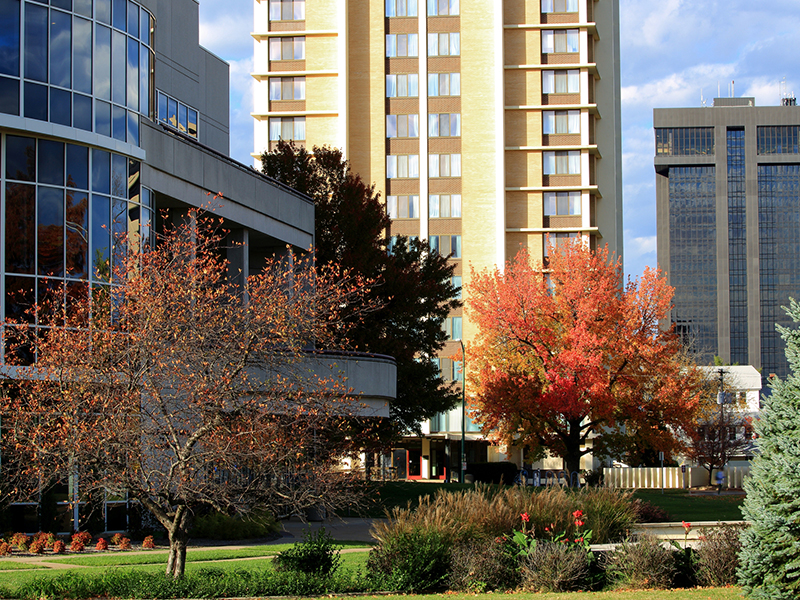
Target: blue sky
672,52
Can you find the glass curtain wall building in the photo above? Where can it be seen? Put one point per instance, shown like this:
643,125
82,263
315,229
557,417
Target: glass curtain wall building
113,121
728,201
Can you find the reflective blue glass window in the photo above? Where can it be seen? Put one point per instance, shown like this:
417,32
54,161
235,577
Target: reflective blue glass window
77,226
120,14
20,233
101,238
119,237
119,175
133,19
102,62
82,59
9,37
9,96
50,225
118,66
35,42
77,167
144,80
83,7
20,158
82,112
102,118
60,107
60,48
102,11
65,4
35,101
119,123
101,171
51,162
133,74
133,128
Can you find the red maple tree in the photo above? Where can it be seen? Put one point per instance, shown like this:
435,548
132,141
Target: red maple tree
569,361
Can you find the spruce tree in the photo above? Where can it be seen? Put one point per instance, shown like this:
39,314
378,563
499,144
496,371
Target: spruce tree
770,558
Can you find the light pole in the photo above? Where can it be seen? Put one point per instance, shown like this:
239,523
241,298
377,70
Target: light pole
463,411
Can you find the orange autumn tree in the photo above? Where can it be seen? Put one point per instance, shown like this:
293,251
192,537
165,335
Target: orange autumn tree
182,391
564,352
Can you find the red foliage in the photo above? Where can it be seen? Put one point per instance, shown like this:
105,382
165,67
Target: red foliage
76,545
148,542
59,546
84,537
573,353
5,549
36,547
124,544
116,539
101,544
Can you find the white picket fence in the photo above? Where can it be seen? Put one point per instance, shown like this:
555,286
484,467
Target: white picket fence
669,477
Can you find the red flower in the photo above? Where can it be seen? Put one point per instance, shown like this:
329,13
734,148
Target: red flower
524,516
686,526
577,514
578,523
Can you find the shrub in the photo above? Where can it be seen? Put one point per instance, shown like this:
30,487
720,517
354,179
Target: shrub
718,555
487,512
5,549
84,537
101,544
116,539
555,567
76,546
148,543
124,544
59,546
21,541
643,563
649,513
415,560
218,526
478,567
317,553
36,547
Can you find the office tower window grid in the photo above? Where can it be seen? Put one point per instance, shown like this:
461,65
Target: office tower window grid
693,256
737,245
779,257
685,141
778,139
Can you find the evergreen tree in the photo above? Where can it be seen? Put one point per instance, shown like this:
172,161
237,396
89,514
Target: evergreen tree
770,558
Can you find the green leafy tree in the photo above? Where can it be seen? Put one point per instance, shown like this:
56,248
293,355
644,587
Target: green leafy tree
770,558
412,285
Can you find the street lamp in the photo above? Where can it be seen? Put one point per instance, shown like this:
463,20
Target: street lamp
463,411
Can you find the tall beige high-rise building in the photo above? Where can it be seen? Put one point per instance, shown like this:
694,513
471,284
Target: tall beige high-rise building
487,126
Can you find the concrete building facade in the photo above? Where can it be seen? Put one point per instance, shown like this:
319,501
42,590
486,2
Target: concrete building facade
485,126
728,202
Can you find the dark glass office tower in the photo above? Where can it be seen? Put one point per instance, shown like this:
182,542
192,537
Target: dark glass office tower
728,198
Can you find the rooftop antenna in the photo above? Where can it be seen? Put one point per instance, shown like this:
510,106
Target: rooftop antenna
733,93
702,99
719,95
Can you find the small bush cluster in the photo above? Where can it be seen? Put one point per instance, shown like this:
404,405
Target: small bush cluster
317,554
717,556
641,563
148,543
554,567
101,544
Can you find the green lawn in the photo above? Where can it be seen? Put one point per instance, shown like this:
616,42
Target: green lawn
692,594
678,503
683,507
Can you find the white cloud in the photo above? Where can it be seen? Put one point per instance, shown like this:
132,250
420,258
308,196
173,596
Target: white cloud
682,88
225,27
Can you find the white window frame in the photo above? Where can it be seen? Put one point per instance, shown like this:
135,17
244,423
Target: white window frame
401,8
561,41
393,41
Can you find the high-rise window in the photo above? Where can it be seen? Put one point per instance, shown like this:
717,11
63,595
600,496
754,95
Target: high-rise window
562,162
287,128
783,139
559,6
561,82
444,84
404,85
444,44
401,8
287,88
442,7
446,245
444,165
402,45
177,115
737,245
402,207
444,205
562,203
399,166
561,121
561,40
444,125
455,280
452,327
287,10
287,48
555,240
402,126
685,141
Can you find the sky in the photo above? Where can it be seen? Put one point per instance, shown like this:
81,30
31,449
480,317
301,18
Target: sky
673,52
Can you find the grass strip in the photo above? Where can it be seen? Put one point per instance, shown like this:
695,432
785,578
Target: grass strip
10,565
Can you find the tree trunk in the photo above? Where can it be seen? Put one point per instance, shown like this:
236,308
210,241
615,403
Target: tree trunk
572,455
178,540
